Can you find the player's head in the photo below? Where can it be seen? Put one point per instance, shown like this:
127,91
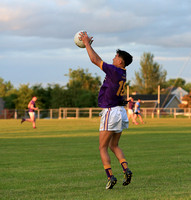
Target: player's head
126,57
131,98
34,98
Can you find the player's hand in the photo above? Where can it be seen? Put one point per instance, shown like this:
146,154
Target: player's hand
85,38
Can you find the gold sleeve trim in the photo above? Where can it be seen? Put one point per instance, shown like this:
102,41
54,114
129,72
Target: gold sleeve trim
101,65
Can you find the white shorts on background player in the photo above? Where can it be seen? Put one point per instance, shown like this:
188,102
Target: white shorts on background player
130,111
114,119
32,114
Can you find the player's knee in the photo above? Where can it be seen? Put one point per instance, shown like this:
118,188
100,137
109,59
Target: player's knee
102,147
113,148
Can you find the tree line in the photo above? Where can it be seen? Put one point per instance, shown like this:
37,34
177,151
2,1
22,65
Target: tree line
81,91
83,88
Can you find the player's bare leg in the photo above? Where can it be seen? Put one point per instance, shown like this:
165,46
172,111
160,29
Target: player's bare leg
133,119
141,120
32,119
113,145
34,123
104,139
120,156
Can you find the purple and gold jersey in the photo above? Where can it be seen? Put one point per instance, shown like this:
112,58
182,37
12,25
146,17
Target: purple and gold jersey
112,90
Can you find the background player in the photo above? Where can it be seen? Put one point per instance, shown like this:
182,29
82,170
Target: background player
113,117
131,110
32,108
138,111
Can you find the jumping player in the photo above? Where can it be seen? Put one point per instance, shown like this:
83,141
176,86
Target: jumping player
32,108
113,117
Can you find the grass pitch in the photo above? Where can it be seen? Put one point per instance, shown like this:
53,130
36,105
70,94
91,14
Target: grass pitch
60,160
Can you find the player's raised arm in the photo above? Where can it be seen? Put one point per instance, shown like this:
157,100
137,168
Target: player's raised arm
94,57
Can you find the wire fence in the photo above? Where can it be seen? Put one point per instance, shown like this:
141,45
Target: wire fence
64,113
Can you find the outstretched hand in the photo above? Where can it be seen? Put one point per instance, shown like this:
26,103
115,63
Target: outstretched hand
94,57
85,38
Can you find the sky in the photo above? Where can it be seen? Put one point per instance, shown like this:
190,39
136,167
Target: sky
37,37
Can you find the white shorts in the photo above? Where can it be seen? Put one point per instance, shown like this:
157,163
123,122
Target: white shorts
32,114
114,119
130,111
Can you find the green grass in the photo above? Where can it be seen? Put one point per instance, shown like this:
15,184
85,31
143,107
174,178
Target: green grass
60,160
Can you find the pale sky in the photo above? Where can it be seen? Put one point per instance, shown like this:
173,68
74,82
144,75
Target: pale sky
36,37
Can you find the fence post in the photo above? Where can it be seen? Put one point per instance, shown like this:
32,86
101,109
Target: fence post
77,112
189,113
158,113
59,113
144,112
174,113
15,114
64,113
90,113
50,113
38,114
5,114
152,115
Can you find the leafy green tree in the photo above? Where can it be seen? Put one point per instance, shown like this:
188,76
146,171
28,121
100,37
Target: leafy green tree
57,96
69,98
83,88
179,82
43,95
24,95
86,99
10,100
83,79
8,93
188,87
5,87
150,75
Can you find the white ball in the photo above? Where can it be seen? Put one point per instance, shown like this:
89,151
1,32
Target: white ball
78,41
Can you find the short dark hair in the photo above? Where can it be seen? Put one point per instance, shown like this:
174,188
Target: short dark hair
128,59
